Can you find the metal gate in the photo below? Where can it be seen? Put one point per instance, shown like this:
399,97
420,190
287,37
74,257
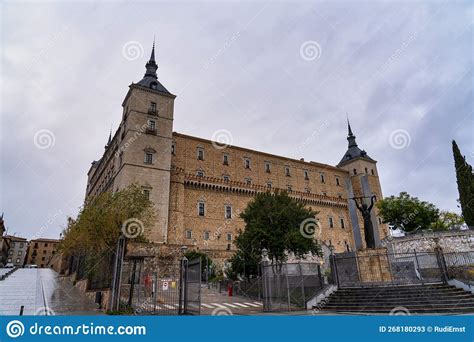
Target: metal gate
355,270
192,287
174,290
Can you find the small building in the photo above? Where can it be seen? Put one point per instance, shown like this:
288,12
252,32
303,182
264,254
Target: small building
4,243
17,250
41,251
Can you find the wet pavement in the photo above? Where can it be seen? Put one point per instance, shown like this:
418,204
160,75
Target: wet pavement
218,303
42,292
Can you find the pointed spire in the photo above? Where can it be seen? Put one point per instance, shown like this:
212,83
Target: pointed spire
349,126
152,57
151,66
350,136
110,137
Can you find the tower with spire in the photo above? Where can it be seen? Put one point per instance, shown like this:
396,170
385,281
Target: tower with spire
142,144
362,182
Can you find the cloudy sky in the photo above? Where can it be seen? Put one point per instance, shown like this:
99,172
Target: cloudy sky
279,76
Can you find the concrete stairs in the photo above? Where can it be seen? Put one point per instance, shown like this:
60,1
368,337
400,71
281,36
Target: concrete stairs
413,299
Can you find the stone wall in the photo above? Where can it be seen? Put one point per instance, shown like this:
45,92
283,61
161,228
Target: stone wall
451,241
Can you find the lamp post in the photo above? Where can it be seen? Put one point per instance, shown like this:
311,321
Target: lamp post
183,275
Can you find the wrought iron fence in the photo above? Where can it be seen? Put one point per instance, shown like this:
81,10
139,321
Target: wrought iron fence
287,287
371,269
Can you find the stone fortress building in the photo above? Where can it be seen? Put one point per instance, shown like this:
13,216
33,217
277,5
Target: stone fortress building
199,187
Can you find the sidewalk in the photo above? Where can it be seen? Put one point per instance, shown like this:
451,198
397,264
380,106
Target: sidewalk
42,292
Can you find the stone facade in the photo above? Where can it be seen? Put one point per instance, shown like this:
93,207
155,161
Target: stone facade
41,251
17,250
199,187
450,241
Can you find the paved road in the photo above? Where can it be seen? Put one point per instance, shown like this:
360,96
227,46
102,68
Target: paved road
42,292
220,304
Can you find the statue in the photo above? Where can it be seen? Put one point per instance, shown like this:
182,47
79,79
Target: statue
368,226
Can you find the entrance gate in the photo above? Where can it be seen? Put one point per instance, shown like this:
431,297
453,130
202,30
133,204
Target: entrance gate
174,290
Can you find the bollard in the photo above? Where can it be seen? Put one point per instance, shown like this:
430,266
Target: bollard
21,310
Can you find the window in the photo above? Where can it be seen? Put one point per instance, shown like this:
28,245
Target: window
373,173
12,245
307,190
228,246
200,154
324,193
18,260
173,148
146,193
46,245
269,185
331,223
228,212
152,109
306,175
206,235
19,253
226,178
248,181
148,158
289,188
342,223
43,258
337,181
322,177
380,220
200,173
151,125
247,163
225,159
189,234
201,208
44,251
287,171
229,236
355,171
10,252
21,245
267,167
366,171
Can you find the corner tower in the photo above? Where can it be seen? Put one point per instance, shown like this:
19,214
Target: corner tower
363,181
145,138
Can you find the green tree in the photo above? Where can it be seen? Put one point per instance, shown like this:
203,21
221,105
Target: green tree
101,220
448,220
273,221
465,180
407,213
